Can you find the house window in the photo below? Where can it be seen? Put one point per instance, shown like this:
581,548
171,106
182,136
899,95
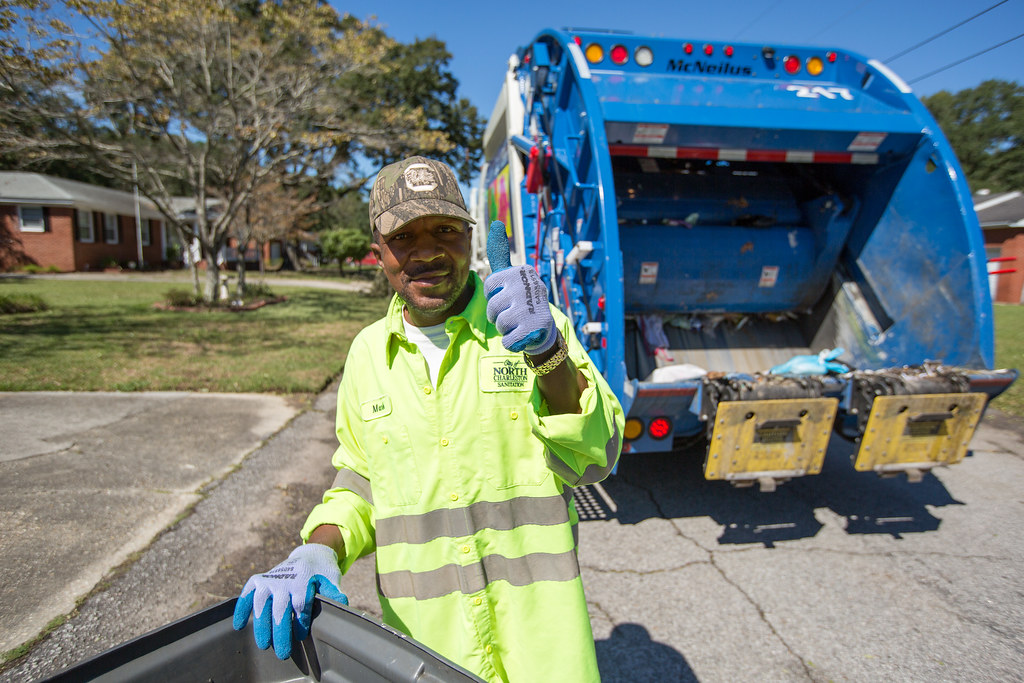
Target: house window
31,219
83,226
147,232
110,228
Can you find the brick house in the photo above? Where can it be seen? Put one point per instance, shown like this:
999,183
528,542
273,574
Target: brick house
70,225
1001,216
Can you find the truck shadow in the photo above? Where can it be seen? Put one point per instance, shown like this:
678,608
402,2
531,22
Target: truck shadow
672,486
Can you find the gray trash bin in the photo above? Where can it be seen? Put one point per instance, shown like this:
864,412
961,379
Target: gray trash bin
343,646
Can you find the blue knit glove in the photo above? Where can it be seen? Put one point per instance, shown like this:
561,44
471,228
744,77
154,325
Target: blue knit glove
285,590
517,300
820,364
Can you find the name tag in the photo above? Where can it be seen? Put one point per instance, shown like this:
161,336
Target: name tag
378,407
504,373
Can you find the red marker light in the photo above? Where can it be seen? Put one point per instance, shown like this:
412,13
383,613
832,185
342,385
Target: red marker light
791,64
578,40
619,54
659,428
688,48
728,50
600,302
830,56
709,49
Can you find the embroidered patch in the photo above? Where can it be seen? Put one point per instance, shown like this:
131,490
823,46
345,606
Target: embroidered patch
504,373
378,407
420,178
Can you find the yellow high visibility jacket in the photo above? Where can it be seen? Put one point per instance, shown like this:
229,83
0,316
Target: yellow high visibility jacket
464,491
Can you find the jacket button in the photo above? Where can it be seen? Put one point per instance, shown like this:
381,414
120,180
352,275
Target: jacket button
514,415
489,649
454,497
444,442
478,601
466,548
426,390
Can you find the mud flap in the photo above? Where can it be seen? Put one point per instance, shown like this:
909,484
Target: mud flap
767,441
913,434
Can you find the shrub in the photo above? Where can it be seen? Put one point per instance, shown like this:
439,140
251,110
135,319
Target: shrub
22,303
258,290
180,298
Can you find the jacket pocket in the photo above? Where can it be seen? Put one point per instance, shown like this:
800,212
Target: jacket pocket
512,455
394,474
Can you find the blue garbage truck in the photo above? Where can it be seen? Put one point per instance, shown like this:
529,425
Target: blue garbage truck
770,249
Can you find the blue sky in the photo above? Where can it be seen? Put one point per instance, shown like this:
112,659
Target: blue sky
481,35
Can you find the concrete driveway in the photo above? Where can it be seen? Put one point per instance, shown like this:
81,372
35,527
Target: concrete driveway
87,480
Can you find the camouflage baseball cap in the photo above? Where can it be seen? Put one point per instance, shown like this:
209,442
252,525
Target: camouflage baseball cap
412,188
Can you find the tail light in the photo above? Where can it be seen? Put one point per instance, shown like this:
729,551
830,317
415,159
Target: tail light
660,427
619,54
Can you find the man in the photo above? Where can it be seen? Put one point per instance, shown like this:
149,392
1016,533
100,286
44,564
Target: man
464,418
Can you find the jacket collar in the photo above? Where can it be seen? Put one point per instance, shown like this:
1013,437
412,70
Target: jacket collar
473,319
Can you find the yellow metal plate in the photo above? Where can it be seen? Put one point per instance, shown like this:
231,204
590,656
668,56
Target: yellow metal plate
778,439
918,432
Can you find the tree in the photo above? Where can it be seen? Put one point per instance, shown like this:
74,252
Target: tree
985,126
344,244
214,96
273,211
421,79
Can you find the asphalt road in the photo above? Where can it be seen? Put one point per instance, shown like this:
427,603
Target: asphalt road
838,577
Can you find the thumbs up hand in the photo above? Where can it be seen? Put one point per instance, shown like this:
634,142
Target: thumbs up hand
517,300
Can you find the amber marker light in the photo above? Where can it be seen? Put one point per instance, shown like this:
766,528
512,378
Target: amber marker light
595,53
815,66
634,428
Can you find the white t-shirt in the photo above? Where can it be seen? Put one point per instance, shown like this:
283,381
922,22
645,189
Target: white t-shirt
432,342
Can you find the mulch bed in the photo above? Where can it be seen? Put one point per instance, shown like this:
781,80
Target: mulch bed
250,306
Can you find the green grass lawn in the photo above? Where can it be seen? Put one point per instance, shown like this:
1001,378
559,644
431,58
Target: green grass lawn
1010,354
107,336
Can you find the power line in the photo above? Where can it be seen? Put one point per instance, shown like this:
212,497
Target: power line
942,33
961,61
844,16
758,18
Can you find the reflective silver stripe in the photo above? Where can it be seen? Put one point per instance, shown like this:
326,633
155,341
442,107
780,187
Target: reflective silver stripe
451,578
446,523
558,466
356,483
594,472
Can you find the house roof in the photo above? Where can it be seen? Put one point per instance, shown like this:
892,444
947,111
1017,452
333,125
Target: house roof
999,209
17,187
185,207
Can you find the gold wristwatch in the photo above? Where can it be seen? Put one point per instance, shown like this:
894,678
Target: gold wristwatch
551,363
